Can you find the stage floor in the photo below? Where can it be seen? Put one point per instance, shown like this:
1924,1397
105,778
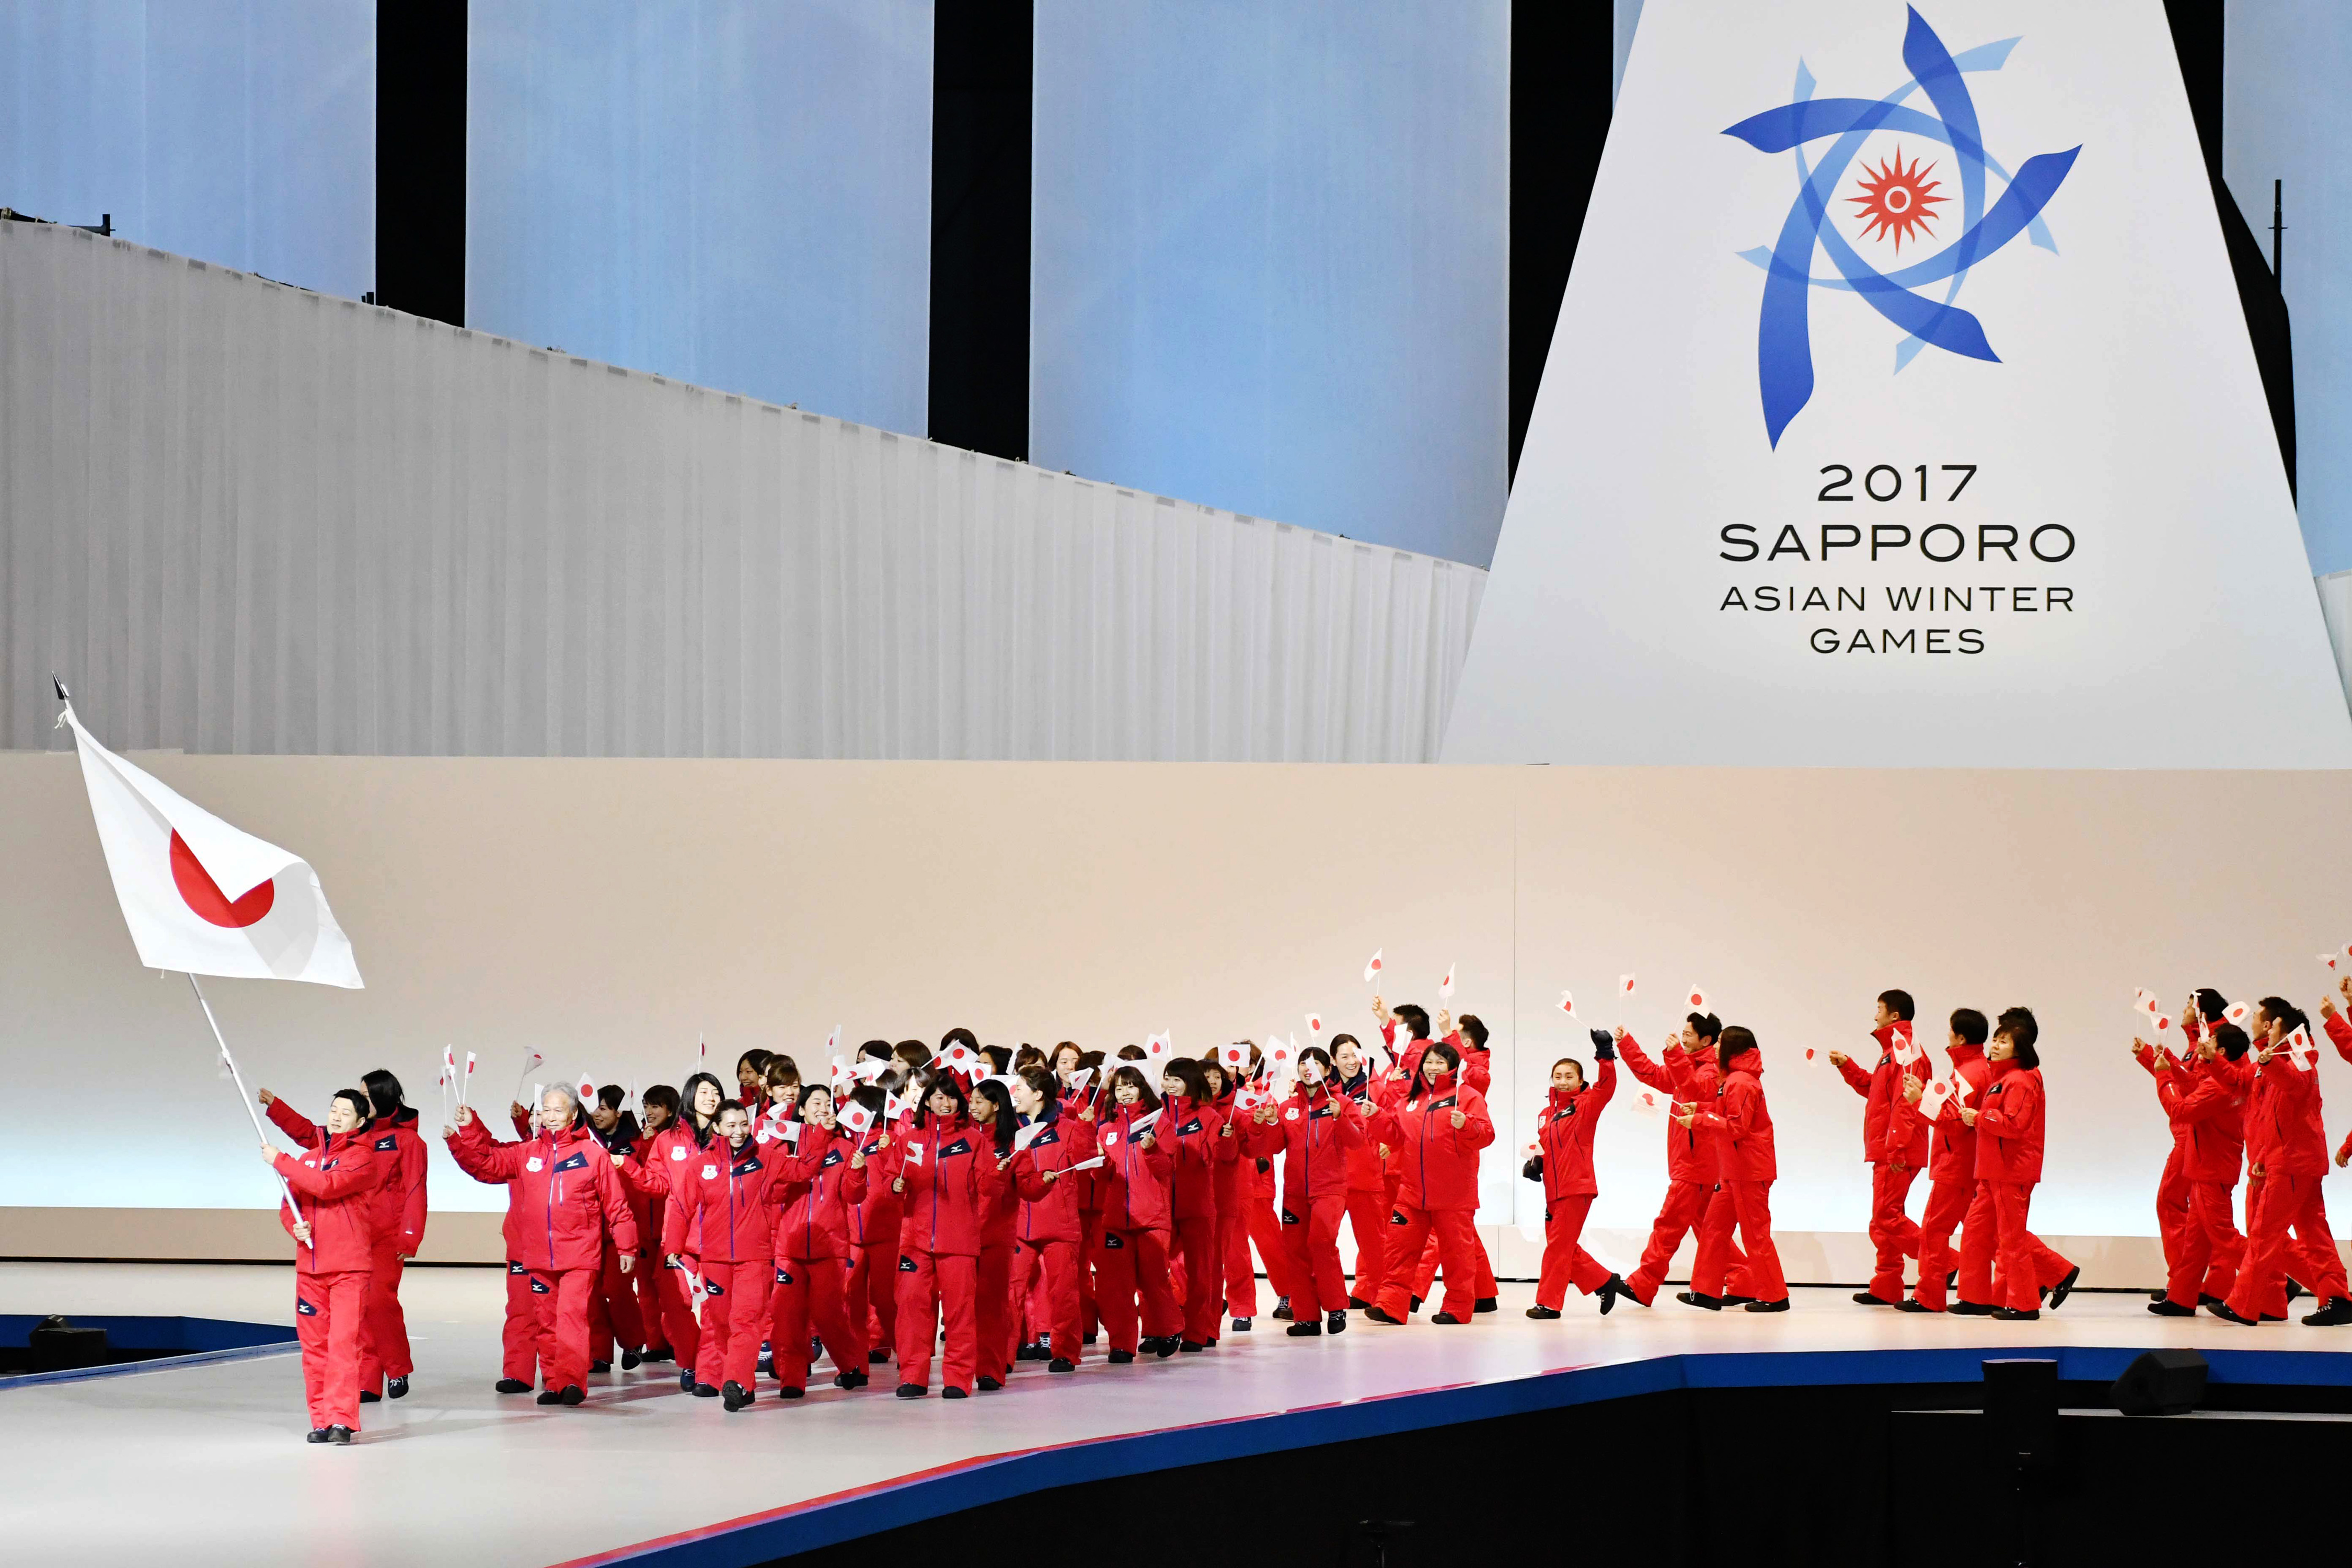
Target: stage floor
206,1463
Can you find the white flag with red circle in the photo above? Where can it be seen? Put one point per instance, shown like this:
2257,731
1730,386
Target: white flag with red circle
201,897
1624,986
1568,1004
1695,998
1315,1026
1372,969
1445,986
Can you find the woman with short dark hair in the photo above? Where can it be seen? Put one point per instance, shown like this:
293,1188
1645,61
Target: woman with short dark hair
336,1179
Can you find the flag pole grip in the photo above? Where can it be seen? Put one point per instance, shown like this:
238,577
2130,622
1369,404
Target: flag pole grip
244,1099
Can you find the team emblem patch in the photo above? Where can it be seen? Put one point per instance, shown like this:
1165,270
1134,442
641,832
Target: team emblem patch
710,1172
532,1163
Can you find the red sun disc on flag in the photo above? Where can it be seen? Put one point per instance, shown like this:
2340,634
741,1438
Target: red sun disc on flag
201,894
1896,202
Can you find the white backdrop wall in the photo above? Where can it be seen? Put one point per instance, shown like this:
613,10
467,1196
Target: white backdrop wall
603,912
1270,263
731,191
241,518
243,131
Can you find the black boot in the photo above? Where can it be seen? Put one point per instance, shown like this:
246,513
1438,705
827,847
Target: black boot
511,1385
1700,1299
1544,1314
733,1395
1335,1323
877,1356
1779,1306
2337,1312
704,1391
318,1435
2059,1291
1378,1316
2165,1306
1120,1358
2016,1315
369,1396
850,1379
1239,1326
1486,1304
396,1388
1190,1347
1448,1318
1281,1309
1912,1304
786,1391
913,1391
988,1385
1058,1365
631,1361
339,1434
686,1381
574,1395
553,1397
2221,1311
1305,1331
1971,1310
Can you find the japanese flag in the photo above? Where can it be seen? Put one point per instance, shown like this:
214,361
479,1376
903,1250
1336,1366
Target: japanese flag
1445,986
1315,1025
586,1088
1080,1078
1233,1058
1931,1100
2237,1013
1958,1084
1568,1004
531,1062
1647,1102
1157,1046
840,1069
866,1069
856,1119
1279,1054
914,1150
466,1084
1372,969
832,1042
1695,998
1143,1124
198,895
899,1105
2301,1050
1624,986
1024,1136
1248,1099
961,1058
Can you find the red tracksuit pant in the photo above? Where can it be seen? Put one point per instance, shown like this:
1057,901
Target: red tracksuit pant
2273,1206
734,1317
812,1293
1748,1205
613,1316
519,1337
1565,1262
559,1300
1048,1271
1089,1239
936,1289
1948,1205
2206,1259
995,1319
873,1295
1195,1239
329,1320
678,1325
1240,1269
1891,1230
1129,1263
1426,1274
385,1350
1368,1221
1457,1245
1996,1225
1311,1244
1682,1213
1265,1230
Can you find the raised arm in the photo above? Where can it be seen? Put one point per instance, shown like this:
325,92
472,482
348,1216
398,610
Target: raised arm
300,1129
356,1172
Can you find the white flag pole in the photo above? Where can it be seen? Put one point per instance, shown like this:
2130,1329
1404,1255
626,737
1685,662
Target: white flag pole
251,1110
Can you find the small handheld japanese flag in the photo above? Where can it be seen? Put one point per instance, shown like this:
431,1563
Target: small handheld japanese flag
1445,986
1085,1165
914,1150
856,1119
899,1105
1023,1137
200,896
1233,1058
1931,1098
2237,1013
960,1058
531,1062
866,1069
1695,998
1648,1101
1568,1004
1372,969
466,1084
587,1089
1279,1054
1080,1078
1143,1124
1315,1026
1958,1083
1157,1046
832,1042
1624,987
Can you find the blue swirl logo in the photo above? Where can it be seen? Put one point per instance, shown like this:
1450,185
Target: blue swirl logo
1899,201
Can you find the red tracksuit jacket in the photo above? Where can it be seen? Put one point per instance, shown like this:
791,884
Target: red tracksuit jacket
336,1185
1231,1179
729,1190
2284,1133
2009,1124
564,1194
876,1221
1691,1080
1315,1134
1193,1133
1566,1136
1135,1192
949,1167
819,1192
1049,1210
1891,1128
1438,1161
1367,1171
1955,1159
2207,1109
1739,1123
400,1198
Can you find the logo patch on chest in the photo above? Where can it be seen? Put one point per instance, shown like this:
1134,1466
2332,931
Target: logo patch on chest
573,1163
532,1163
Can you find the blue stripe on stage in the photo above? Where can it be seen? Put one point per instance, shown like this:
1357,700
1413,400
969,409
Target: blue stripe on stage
199,1341
828,1522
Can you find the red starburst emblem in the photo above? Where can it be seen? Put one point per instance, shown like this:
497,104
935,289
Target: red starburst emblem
1897,201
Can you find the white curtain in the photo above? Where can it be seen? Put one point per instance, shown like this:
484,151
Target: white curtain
240,517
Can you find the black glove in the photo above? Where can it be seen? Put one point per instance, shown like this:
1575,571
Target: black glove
1533,1169
1264,1166
1605,1045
